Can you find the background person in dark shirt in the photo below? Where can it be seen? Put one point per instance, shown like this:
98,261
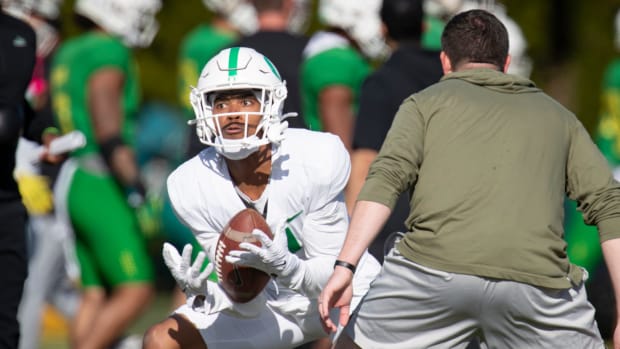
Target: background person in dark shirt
282,45
409,69
17,59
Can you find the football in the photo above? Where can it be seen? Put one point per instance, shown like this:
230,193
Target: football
240,283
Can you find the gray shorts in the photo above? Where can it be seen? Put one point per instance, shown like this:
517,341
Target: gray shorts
412,306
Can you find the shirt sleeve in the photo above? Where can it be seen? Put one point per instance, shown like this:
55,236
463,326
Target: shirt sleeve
327,219
590,182
326,223
183,201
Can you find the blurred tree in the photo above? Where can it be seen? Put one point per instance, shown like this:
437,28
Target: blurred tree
570,42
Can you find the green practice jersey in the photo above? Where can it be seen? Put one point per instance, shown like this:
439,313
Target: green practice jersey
73,66
200,45
342,66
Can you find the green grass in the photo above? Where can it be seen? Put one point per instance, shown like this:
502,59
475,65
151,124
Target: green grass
159,310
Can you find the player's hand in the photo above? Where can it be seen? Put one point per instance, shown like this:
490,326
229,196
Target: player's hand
273,257
204,295
46,155
188,276
337,293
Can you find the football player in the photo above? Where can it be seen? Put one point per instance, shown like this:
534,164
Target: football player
230,19
95,90
336,61
293,177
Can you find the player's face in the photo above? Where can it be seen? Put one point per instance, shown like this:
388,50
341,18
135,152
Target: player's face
236,106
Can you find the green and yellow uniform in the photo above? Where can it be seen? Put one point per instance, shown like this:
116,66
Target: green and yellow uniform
198,47
336,62
109,244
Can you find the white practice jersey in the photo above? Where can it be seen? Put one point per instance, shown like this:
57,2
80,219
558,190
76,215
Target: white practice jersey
309,173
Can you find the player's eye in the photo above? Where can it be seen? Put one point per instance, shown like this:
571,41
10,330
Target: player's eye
248,101
220,105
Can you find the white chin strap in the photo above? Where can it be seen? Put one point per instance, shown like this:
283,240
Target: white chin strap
237,149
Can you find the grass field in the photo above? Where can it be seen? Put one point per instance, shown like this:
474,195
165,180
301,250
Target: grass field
54,335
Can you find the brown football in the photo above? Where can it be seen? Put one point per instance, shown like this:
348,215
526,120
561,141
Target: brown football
240,283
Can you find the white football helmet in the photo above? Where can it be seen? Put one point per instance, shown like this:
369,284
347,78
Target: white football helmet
49,9
299,20
132,20
360,19
37,13
240,68
239,13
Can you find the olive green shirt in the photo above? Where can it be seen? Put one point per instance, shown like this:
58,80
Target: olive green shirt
488,159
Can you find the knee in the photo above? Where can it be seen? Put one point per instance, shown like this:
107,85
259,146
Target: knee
139,293
156,337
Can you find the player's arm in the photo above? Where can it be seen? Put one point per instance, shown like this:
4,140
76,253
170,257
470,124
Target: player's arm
105,90
611,251
360,163
336,112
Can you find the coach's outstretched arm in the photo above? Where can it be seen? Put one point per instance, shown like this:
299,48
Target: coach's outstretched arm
367,220
611,250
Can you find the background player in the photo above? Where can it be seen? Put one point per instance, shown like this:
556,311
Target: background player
95,90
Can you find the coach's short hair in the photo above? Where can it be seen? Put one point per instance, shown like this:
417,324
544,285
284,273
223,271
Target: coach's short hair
475,36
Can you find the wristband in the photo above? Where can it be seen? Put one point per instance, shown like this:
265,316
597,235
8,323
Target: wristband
136,194
51,131
347,265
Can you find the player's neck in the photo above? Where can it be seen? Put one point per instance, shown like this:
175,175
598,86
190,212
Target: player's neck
251,175
272,21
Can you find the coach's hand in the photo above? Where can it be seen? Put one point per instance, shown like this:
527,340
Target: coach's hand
337,293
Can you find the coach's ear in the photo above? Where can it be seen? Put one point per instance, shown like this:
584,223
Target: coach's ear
446,65
507,64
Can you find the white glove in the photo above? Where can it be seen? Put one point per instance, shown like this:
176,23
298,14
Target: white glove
273,257
187,275
202,294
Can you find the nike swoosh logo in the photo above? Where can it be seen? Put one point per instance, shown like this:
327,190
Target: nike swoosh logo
19,41
288,220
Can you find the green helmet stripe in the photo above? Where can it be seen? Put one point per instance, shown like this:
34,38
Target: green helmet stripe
233,60
273,67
